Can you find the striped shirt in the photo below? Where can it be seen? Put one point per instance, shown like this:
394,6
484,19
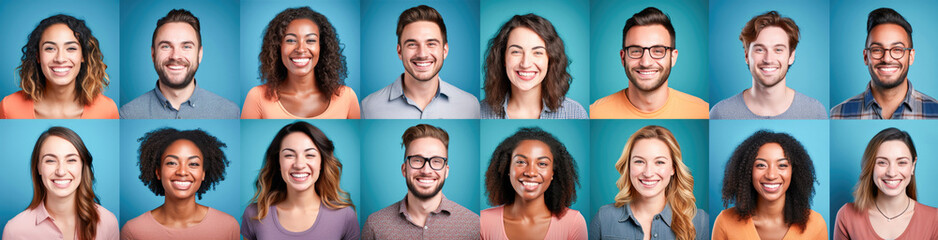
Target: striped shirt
448,221
568,109
916,105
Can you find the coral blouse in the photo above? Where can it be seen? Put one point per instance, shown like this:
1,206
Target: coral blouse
19,106
342,106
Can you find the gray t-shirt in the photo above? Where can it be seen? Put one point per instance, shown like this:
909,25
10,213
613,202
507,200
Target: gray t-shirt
330,224
802,107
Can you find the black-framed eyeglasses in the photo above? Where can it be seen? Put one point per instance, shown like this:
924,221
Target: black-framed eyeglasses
656,52
895,52
418,162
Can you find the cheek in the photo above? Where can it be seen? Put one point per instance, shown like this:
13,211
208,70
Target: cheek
543,64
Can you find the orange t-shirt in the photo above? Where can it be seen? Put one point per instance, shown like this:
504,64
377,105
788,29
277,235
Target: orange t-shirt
853,223
18,106
679,106
342,106
728,226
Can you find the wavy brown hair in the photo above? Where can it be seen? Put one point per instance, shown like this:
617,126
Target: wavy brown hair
865,192
680,192
555,84
91,79
272,189
85,201
769,19
330,71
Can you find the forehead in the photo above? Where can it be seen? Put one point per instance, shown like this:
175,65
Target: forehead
59,33
771,150
888,34
296,138
57,145
648,35
524,36
533,147
650,146
182,146
302,25
893,148
421,30
176,32
771,36
426,146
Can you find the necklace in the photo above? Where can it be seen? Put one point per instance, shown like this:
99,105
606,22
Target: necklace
889,219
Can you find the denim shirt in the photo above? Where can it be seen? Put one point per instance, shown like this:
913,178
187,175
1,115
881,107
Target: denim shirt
619,223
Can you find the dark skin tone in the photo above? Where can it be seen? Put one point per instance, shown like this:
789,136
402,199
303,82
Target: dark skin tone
531,172
299,95
182,161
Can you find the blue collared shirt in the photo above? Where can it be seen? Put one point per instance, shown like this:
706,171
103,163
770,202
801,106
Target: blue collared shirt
613,222
916,105
449,102
201,105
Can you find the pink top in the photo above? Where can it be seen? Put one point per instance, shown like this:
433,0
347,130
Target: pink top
215,225
18,106
571,226
36,223
257,106
852,223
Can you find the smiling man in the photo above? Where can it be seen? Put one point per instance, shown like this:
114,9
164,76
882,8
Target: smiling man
888,55
769,41
419,93
176,50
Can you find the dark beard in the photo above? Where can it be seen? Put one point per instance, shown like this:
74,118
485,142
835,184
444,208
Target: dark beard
164,80
413,190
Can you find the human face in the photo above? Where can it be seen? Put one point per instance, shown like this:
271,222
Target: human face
532,169
894,168
181,171
60,55
422,50
888,72
650,167
771,172
176,54
59,167
769,57
647,74
299,49
425,183
300,161
525,59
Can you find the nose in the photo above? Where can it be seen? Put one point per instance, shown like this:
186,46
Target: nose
647,60
182,171
59,57
530,170
526,60
301,47
647,171
60,169
891,170
771,173
299,163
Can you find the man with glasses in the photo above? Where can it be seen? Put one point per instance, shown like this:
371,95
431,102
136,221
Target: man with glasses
424,213
769,42
888,54
648,53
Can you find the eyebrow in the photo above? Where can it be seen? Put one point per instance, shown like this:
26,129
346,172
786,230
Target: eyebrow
53,155
893,43
294,35
517,46
290,149
53,43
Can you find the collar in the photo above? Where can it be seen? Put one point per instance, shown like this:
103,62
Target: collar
445,206
544,108
868,99
195,97
665,214
41,213
397,89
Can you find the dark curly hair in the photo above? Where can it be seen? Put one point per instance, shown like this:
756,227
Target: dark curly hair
330,71
737,180
562,191
555,84
154,143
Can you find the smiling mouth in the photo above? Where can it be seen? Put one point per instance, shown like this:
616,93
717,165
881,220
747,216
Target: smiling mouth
182,185
649,183
892,183
771,187
60,71
301,61
647,73
530,186
300,177
526,75
62,183
422,65
888,69
768,69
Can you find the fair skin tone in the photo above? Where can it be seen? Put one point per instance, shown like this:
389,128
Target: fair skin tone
526,63
650,172
60,58
60,169
769,57
425,181
530,173
299,52
890,82
176,54
422,51
893,171
300,163
771,176
181,173
648,77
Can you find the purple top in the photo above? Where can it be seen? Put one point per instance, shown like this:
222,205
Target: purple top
330,224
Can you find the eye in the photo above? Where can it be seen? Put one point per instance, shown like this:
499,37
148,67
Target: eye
638,161
779,50
758,50
289,40
760,165
310,41
188,46
432,44
783,165
164,46
48,49
660,162
539,53
194,164
49,160
171,163
288,155
72,160
411,45
72,49
310,155
881,163
520,162
543,164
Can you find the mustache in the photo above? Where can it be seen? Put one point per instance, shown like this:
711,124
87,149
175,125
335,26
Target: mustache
177,62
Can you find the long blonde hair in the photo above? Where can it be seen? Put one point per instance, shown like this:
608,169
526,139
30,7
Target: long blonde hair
680,192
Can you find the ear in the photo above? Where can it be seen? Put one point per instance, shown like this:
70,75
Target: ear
791,59
911,56
746,55
157,174
404,170
399,52
914,161
673,57
622,56
445,171
445,50
153,54
200,54
866,59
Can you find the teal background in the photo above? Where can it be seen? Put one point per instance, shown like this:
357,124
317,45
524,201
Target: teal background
382,156
137,198
574,134
98,136
814,135
19,18
256,136
571,21
256,14
808,75
689,18
218,21
610,137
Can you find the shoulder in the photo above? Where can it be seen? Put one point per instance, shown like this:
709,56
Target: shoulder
815,219
107,217
701,217
727,218
221,216
846,211
216,100
16,105
573,216
454,92
607,100
15,98
250,212
384,215
462,211
572,106
808,103
257,92
141,101
721,109
137,224
491,212
19,224
378,96
103,107
609,212
928,211
849,108
685,98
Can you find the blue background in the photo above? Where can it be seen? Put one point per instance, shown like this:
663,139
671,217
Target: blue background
98,136
809,74
849,73
382,183
255,15
574,134
610,137
379,26
218,20
848,141
257,134
137,198
689,18
21,17
726,135
571,21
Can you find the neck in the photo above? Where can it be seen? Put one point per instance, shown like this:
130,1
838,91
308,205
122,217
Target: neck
891,95
177,96
61,207
59,94
180,208
418,207
525,102
648,206
892,205
765,94
415,89
648,101
770,209
300,84
535,208
307,199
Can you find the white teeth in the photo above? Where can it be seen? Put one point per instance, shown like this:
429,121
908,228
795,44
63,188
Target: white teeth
526,74
769,69
300,175
423,64
648,182
530,183
300,60
182,184
62,181
888,69
175,67
647,72
61,69
892,182
425,180
774,185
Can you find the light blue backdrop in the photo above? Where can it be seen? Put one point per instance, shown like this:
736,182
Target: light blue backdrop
98,136
21,17
689,18
256,14
571,21
218,21
809,74
136,198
